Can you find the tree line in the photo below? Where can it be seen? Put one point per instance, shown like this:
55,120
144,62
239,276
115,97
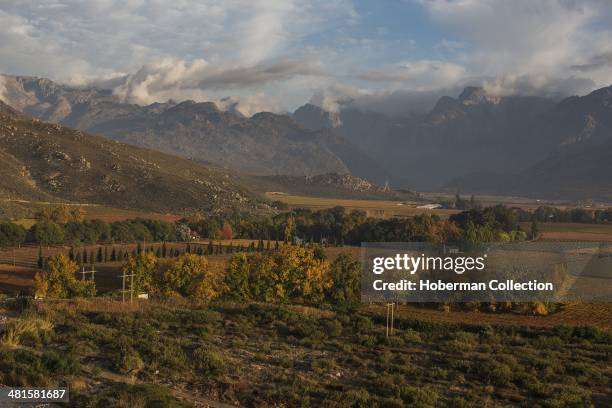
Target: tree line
291,274
571,215
334,226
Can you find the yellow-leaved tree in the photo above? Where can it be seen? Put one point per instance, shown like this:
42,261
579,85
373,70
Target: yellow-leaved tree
144,267
57,280
192,276
293,273
304,277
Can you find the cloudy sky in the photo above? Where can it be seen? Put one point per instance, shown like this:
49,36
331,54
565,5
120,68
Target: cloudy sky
392,55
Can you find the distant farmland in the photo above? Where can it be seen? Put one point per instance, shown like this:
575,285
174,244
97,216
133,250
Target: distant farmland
562,231
374,208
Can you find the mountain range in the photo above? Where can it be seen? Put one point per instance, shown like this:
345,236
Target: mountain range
479,143
474,143
264,144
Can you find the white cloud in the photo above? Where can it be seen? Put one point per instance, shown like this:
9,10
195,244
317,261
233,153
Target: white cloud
191,47
392,103
537,85
418,75
201,81
242,51
518,39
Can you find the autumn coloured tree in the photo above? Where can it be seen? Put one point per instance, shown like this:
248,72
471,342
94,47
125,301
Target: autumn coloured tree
58,280
227,231
192,276
291,274
143,266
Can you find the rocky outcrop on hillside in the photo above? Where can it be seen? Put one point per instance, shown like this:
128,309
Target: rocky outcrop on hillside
50,162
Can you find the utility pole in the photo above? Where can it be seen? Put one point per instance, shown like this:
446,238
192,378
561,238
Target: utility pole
390,319
91,272
123,290
131,287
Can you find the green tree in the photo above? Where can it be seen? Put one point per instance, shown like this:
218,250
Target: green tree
534,229
237,277
289,230
41,261
11,234
48,233
346,280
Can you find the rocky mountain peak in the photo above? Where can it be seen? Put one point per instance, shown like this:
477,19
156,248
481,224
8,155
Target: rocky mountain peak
314,117
473,95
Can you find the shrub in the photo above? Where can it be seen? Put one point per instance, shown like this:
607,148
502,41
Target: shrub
492,372
130,361
359,398
419,396
208,361
332,328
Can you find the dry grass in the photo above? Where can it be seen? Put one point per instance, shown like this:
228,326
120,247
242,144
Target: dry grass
15,330
99,304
